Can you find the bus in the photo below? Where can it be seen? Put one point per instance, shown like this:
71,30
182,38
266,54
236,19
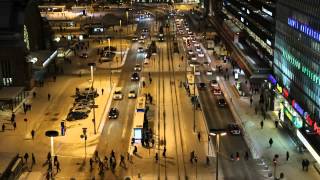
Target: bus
138,118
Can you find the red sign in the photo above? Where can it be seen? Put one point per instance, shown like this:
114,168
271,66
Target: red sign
316,128
308,119
285,93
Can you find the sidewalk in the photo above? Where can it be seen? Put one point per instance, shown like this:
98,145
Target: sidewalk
257,138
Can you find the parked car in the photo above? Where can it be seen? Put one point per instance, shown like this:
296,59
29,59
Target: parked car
197,72
76,115
135,76
209,72
134,39
190,51
234,129
200,54
132,94
113,113
214,83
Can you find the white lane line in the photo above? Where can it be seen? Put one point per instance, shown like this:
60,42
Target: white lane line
110,127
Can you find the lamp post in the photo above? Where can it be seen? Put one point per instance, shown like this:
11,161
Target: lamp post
275,162
109,44
84,136
120,41
127,15
94,112
194,99
217,133
52,134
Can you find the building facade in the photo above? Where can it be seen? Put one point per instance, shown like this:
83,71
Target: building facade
21,32
256,19
297,68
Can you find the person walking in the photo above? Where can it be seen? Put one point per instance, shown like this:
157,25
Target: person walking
58,166
279,114
164,152
246,155
26,156
122,161
156,157
287,155
261,124
192,156
3,127
152,142
102,90
307,164
135,150
34,94
276,123
49,158
251,101
32,133
91,164
49,96
55,160
33,159
270,142
199,136
14,126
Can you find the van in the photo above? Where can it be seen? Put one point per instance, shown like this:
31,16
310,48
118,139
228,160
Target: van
118,93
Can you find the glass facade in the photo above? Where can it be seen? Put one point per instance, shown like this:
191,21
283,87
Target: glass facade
296,54
297,67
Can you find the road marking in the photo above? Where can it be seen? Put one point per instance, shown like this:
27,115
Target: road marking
110,127
125,127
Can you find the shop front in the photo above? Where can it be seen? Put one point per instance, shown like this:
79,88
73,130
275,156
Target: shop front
297,120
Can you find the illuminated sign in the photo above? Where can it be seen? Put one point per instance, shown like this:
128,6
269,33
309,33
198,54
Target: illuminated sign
297,122
308,118
279,88
307,30
297,107
296,63
285,92
272,79
288,114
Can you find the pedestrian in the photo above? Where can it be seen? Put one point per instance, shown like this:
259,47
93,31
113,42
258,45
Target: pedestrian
279,114
49,157
199,136
287,155
191,156
264,115
32,134
48,176
33,159
152,142
3,127
150,80
91,163
261,124
102,90
58,166
307,164
208,161
135,150
276,123
237,156
246,156
156,157
251,101
13,117
164,152
96,155
303,164
122,161
26,156
270,142
150,99
143,84
49,96
55,160
105,161
14,126
149,74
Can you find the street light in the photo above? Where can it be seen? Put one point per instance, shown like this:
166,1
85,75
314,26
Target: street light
127,15
109,44
217,133
52,134
84,136
94,112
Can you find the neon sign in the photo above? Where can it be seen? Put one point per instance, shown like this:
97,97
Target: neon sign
297,107
279,88
285,92
272,79
307,30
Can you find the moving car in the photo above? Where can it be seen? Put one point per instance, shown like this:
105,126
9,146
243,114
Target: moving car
202,85
214,83
221,101
135,76
113,113
197,72
200,54
209,72
137,67
140,49
76,115
118,93
198,48
132,94
135,39
193,57
141,40
216,90
190,51
234,129
84,55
